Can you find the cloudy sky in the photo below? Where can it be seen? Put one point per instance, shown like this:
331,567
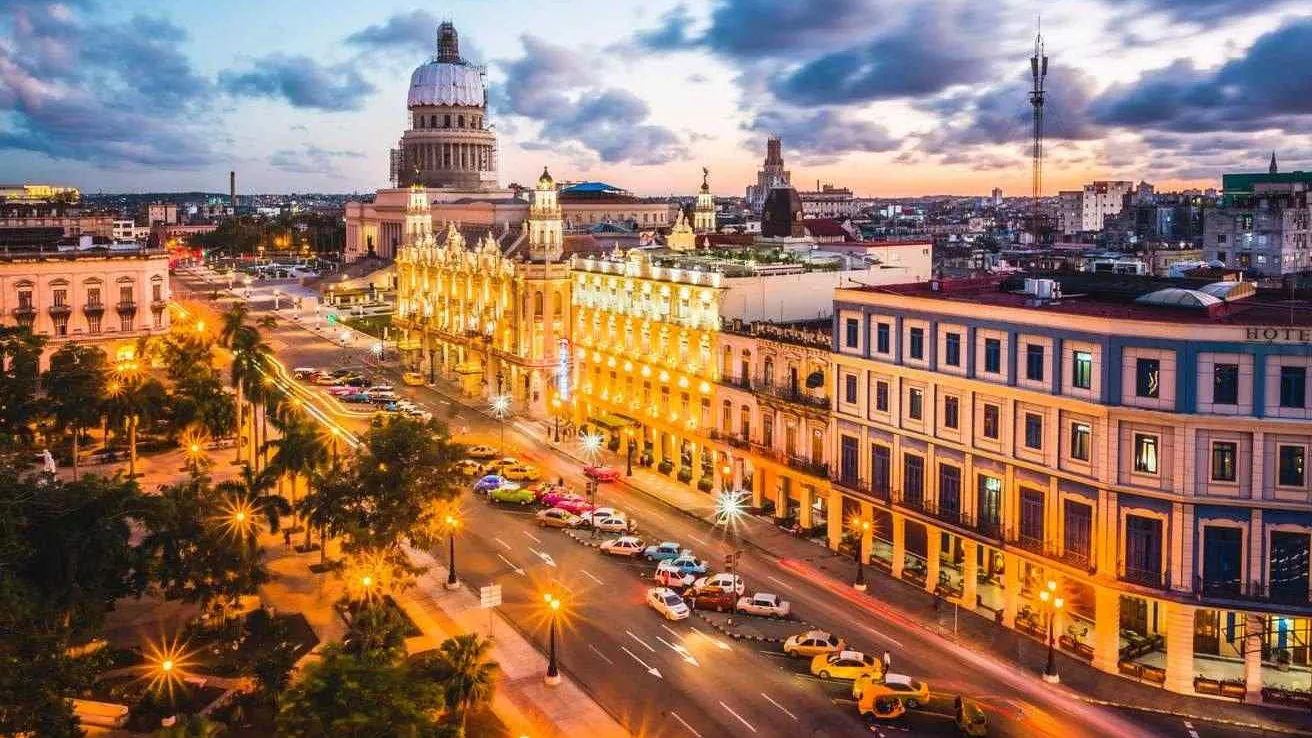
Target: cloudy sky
889,97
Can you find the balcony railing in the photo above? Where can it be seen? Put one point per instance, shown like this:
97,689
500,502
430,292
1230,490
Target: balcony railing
126,306
94,308
739,382
60,310
857,484
1253,591
1143,577
790,393
814,468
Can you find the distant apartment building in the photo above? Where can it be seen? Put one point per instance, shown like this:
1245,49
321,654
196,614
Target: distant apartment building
997,197
35,193
163,213
828,201
1100,200
1070,211
1263,224
45,223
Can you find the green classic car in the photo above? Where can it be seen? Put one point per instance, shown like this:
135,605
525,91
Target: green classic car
512,493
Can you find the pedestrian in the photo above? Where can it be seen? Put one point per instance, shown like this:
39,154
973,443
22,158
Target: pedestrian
888,662
287,537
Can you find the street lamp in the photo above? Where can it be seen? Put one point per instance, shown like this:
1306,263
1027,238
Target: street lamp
500,409
1053,605
862,528
555,409
553,611
628,445
452,525
726,476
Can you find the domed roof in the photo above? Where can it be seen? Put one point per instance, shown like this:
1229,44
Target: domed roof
545,180
447,79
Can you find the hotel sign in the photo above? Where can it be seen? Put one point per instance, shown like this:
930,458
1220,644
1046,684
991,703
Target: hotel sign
1279,334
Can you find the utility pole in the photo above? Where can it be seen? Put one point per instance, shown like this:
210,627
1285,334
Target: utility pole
1039,71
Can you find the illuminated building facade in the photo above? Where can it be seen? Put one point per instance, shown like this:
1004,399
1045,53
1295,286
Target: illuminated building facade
491,314
1144,450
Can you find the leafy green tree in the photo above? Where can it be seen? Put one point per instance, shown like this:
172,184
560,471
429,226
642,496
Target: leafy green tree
297,454
134,398
250,489
376,631
75,390
250,358
466,675
20,354
350,696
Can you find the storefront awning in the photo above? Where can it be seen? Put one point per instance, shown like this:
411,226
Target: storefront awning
611,422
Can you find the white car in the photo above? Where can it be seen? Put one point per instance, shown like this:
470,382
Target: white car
601,512
723,582
481,452
666,602
613,523
623,546
764,604
673,578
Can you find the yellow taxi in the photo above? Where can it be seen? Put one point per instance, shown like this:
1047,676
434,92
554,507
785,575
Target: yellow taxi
521,472
846,665
468,467
812,643
414,379
911,691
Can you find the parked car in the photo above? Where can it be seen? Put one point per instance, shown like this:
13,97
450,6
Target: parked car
613,523
542,489
340,390
668,603
325,380
846,665
558,518
566,500
600,512
489,483
711,599
468,467
481,452
764,604
512,493
723,582
662,551
672,578
356,397
601,473
812,643
911,691
414,379
303,372
522,472
684,563
356,382
623,546
497,466
877,707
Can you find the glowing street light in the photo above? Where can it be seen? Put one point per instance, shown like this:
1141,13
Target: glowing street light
591,444
862,529
553,609
500,408
1053,605
452,525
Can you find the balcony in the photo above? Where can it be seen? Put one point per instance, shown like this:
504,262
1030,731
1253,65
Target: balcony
60,310
856,484
790,393
94,308
1028,543
126,307
1252,591
25,313
743,383
814,468
733,439
1143,577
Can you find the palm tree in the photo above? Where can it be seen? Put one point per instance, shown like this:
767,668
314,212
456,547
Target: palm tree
232,321
462,668
132,399
250,355
75,390
249,489
297,453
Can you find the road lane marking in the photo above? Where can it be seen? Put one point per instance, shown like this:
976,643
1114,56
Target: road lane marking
720,644
650,669
683,652
563,586
699,540
588,574
776,704
511,564
603,656
777,581
639,640
888,638
740,717
685,724
530,535
671,631
546,557
503,543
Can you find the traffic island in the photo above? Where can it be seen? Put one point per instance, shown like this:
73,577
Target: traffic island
752,627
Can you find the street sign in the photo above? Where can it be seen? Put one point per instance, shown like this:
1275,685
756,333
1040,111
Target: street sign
489,596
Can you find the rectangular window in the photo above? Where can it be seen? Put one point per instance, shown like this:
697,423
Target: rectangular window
1081,441
915,404
881,469
848,462
991,421
853,332
1224,454
1222,557
1143,549
913,473
93,296
1292,466
849,388
125,293
1078,530
61,325
989,503
1145,453
1082,370
949,489
950,412
157,292
1033,430
1289,566
1293,386
125,323
881,396
1225,384
952,349
93,323
1147,376
60,298
917,348
881,338
993,356
1031,516
1034,362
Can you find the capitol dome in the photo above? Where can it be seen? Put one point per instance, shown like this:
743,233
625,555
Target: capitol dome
447,79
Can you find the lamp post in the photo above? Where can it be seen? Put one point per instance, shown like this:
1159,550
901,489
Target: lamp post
1053,604
555,410
628,444
452,525
862,529
193,454
553,611
501,408
726,477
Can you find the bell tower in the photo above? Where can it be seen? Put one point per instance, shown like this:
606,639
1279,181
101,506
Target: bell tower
545,225
418,215
703,214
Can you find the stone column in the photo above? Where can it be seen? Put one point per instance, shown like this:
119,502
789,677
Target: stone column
1010,589
1253,657
969,573
1106,629
899,544
758,486
933,565
868,534
835,519
807,498
1179,647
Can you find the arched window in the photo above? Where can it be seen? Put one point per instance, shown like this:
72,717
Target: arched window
537,304
727,369
745,370
768,372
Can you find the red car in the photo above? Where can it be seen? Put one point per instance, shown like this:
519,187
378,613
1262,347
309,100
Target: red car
567,501
601,473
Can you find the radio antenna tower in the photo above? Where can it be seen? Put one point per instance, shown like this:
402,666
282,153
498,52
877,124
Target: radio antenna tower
1039,70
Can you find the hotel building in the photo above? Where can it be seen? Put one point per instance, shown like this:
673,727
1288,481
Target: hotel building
1142,446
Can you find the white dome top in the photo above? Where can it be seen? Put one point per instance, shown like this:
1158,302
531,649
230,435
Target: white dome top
446,83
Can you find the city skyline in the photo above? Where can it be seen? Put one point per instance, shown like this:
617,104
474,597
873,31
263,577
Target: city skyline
132,98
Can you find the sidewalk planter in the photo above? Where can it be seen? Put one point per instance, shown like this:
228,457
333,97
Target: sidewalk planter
684,475
1290,697
665,467
1154,675
705,484
1235,688
1203,685
1078,648
1131,669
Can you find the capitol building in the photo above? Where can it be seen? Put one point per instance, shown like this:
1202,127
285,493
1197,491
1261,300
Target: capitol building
450,150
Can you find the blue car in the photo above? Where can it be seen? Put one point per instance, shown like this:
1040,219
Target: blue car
358,397
489,483
684,563
662,551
